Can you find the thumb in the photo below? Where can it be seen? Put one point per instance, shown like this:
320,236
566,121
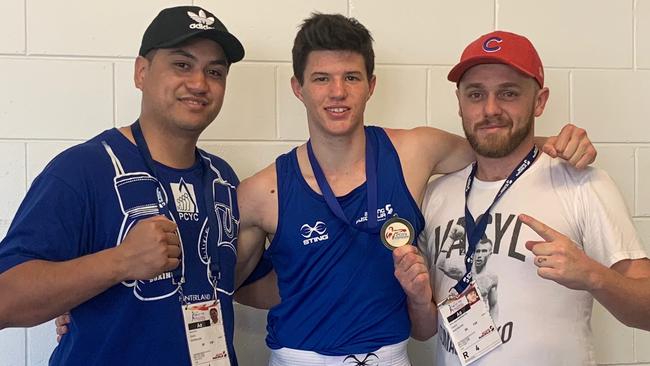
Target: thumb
166,224
549,146
540,228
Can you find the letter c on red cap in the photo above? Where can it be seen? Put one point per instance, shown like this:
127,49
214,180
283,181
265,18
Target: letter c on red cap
494,48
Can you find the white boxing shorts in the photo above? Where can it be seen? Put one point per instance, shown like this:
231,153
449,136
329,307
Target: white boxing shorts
391,355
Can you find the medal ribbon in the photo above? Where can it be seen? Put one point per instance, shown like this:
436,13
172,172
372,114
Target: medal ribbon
371,188
475,231
206,180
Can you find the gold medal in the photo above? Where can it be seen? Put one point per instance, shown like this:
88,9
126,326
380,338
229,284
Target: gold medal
396,232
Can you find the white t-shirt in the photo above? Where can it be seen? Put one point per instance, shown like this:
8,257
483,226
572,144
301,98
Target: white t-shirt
540,322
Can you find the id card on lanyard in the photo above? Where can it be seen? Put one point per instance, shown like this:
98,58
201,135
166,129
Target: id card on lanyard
205,334
469,324
471,329
205,338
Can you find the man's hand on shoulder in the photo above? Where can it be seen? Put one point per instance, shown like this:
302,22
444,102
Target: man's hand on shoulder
572,145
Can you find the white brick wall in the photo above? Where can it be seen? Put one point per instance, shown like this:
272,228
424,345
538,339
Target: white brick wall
66,73
613,104
643,34
578,33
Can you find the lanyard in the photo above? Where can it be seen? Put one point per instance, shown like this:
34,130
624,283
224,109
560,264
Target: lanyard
371,188
206,180
475,231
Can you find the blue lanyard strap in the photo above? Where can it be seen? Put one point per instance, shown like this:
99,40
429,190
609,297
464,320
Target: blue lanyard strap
475,231
371,188
207,181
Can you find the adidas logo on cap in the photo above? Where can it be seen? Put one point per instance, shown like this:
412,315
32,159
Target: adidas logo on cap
202,21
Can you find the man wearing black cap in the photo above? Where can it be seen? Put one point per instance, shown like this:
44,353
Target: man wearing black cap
135,230
542,319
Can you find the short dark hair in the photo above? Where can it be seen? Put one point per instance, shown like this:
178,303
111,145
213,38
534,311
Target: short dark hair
485,240
333,32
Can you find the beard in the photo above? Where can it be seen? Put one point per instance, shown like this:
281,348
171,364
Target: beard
498,145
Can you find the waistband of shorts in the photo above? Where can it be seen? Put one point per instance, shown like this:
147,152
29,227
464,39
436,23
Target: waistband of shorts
390,355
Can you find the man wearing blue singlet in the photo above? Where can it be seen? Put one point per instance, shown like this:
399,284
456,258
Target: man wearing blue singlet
344,297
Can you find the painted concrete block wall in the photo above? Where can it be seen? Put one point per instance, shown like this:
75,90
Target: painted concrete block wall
66,74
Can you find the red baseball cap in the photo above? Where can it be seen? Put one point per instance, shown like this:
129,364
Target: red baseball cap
500,47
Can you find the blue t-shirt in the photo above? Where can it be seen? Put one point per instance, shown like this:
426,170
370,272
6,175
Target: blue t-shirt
339,293
86,200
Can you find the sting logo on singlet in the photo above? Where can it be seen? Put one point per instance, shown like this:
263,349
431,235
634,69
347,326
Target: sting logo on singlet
314,234
185,199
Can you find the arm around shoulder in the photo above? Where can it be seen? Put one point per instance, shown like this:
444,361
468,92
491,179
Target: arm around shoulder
438,151
257,197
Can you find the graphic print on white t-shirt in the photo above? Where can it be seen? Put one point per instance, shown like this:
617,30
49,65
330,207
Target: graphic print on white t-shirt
450,242
532,313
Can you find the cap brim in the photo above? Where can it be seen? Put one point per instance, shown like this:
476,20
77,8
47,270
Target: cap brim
231,46
457,71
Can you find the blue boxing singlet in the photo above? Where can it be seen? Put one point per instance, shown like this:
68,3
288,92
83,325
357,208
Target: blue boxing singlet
339,293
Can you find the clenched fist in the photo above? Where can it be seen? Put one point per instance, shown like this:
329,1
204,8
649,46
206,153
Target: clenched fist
151,247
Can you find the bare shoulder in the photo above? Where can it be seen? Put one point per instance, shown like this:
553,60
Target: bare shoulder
433,149
422,138
417,156
424,147
416,132
257,195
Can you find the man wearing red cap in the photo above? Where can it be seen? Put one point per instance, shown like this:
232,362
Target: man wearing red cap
594,248
345,297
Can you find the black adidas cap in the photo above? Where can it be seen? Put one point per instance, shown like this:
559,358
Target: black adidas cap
178,24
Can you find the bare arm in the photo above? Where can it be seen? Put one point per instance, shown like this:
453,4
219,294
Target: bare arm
41,290
492,301
426,151
435,151
258,207
250,246
261,294
623,289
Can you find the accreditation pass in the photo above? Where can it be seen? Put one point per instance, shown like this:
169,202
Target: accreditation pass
205,334
471,328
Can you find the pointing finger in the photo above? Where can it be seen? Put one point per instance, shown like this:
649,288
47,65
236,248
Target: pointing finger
530,245
540,228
